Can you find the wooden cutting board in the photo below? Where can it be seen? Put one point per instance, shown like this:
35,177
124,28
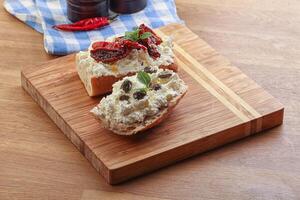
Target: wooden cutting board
222,105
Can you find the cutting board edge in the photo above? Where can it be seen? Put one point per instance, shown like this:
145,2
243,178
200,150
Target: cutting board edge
116,173
65,128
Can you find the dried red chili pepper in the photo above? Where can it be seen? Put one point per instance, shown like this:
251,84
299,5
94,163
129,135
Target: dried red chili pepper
85,24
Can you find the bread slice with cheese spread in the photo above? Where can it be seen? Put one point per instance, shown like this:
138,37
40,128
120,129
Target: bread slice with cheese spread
140,102
99,75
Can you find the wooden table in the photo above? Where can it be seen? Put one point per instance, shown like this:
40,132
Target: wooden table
260,36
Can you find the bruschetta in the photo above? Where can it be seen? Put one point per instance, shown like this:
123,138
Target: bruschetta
108,61
140,102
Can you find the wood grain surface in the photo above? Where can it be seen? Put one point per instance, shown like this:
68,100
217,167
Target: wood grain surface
222,105
261,37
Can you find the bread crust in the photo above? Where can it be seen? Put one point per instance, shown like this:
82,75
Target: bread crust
103,84
132,129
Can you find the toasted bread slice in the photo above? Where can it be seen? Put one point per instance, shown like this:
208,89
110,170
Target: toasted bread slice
135,113
99,75
132,129
99,85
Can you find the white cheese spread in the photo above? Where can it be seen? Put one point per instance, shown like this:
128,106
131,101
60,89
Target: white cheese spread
132,110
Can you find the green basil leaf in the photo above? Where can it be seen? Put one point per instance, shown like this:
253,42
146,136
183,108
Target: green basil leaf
136,36
129,35
132,35
145,35
144,78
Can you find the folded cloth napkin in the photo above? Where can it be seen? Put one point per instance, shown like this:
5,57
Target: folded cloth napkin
41,15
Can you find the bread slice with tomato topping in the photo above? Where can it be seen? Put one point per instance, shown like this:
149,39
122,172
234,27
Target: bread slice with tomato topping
140,102
106,62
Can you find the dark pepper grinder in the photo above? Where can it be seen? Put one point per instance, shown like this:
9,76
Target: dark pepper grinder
82,9
127,6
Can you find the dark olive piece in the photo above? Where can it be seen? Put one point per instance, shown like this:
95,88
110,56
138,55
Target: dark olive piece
126,86
155,86
139,95
149,70
164,74
124,98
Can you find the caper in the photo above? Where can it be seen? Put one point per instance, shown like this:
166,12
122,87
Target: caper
126,86
139,95
164,74
149,70
155,86
124,98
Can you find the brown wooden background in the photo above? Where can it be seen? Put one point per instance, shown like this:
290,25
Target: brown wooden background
259,36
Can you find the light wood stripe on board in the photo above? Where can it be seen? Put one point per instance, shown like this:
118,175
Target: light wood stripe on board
212,91
217,81
234,98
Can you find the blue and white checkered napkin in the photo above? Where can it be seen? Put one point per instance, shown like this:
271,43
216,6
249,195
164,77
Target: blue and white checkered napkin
41,15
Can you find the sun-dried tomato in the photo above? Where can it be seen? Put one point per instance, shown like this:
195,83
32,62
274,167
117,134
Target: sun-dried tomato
154,38
108,52
133,45
106,45
150,42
